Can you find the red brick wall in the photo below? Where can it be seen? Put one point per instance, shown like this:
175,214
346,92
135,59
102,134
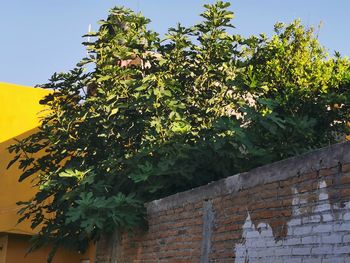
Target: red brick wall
296,210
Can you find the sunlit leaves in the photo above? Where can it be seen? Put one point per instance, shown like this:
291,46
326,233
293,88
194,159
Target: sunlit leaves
153,117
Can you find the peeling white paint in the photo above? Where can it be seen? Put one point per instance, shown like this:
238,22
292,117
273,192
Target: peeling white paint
321,236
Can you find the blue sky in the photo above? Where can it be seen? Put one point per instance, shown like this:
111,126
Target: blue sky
40,37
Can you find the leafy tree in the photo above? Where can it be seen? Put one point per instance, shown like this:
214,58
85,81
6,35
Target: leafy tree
154,117
302,94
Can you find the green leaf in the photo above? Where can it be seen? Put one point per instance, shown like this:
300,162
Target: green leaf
113,112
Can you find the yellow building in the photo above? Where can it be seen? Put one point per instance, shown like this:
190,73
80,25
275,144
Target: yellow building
19,116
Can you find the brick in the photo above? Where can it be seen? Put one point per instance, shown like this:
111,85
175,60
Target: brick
284,251
322,228
302,230
311,176
312,219
346,238
310,240
332,239
345,192
311,224
293,260
301,251
285,183
295,222
341,250
291,241
333,260
342,227
323,207
345,179
322,250
311,260
345,168
326,217
329,171
346,216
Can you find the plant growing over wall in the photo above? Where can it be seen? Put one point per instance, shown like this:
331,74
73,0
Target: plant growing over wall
302,94
154,117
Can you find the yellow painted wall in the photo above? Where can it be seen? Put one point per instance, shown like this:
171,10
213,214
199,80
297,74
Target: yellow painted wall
11,191
17,245
19,108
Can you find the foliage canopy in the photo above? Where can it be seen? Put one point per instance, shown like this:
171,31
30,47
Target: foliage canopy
154,117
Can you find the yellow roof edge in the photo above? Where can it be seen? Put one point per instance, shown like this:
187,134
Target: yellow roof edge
22,86
19,232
